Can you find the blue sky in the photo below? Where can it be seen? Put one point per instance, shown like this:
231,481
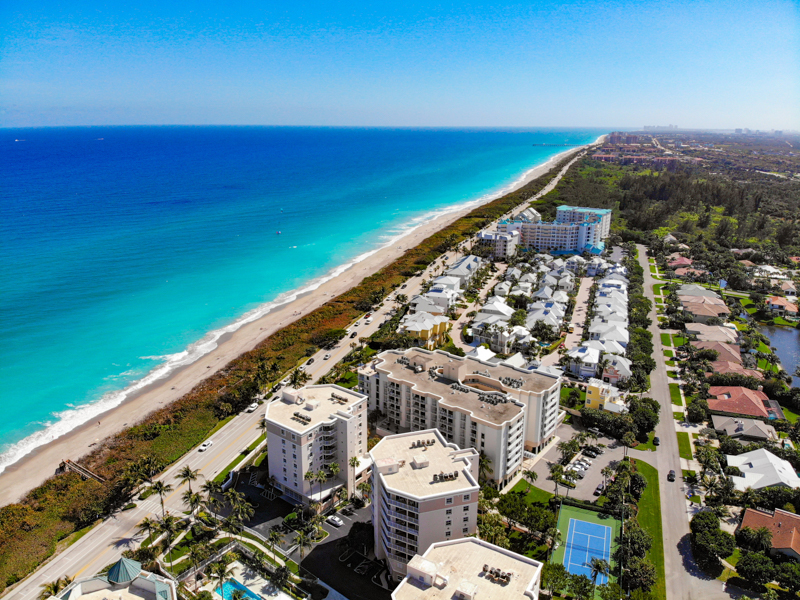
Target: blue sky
606,64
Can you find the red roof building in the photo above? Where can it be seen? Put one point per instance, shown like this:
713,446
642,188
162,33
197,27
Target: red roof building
742,401
785,528
726,352
726,367
680,261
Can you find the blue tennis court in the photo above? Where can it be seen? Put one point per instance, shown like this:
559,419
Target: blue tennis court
584,542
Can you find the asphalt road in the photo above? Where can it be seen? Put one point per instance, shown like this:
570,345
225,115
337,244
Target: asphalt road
684,579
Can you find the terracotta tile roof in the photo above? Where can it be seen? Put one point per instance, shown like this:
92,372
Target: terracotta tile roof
715,300
725,366
680,261
689,271
727,352
740,400
699,309
785,527
781,301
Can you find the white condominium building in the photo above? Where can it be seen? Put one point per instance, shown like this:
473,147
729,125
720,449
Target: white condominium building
500,410
470,569
503,245
575,230
424,490
310,429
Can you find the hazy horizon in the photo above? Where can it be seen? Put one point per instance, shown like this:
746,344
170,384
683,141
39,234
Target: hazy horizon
709,65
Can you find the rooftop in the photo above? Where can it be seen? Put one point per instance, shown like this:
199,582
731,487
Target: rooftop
784,525
462,383
314,404
407,462
457,566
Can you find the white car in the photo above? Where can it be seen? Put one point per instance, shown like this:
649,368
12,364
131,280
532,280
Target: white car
326,357
252,407
334,520
205,446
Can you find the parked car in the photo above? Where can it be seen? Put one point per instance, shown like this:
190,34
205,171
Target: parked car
598,491
671,476
579,474
656,441
252,407
334,520
590,453
205,446
585,461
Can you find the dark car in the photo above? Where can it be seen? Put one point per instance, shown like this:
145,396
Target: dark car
598,490
402,287
671,476
309,361
656,441
590,453
354,334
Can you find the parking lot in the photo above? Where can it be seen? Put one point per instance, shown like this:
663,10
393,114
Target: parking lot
584,488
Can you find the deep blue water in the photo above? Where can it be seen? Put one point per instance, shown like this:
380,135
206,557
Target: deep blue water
125,250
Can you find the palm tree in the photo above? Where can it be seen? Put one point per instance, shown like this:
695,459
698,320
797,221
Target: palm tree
606,472
628,440
187,475
598,567
321,477
570,476
299,378
530,476
310,477
193,501
221,571
162,489
212,489
275,538
169,527
365,489
484,466
556,474
762,539
303,542
52,588
198,553
237,595
150,526
335,469
749,497
353,462
553,535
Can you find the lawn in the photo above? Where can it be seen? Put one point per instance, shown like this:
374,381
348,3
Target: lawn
535,496
666,340
565,394
733,559
648,446
675,394
657,289
678,340
684,445
671,363
790,415
678,416
650,519
654,269
669,353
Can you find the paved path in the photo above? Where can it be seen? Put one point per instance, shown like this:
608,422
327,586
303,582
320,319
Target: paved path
578,317
685,580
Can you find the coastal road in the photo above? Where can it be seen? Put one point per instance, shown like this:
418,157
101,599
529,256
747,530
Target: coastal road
684,579
105,543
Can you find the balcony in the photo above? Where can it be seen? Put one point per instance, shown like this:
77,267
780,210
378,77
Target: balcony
397,515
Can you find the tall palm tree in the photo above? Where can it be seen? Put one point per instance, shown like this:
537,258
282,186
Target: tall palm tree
148,525
193,501
168,526
530,476
52,588
598,567
335,469
556,474
553,535
321,477
187,475
353,462
222,571
275,538
162,489
762,539
198,552
299,378
310,477
484,466
365,489
212,490
303,542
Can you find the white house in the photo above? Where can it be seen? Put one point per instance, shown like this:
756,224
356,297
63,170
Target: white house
760,468
618,369
583,361
609,347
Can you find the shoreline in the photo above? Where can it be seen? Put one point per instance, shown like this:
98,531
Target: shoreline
15,480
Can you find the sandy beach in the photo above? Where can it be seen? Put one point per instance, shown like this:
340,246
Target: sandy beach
41,463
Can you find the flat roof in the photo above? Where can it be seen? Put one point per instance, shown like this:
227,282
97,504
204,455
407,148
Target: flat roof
317,403
413,480
467,397
461,562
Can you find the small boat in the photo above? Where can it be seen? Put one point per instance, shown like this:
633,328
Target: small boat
278,232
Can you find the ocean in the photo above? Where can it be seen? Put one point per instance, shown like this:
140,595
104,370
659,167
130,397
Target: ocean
128,251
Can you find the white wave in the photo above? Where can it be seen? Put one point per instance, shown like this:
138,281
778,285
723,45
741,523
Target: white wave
67,420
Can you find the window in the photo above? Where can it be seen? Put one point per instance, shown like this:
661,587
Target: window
466,498
283,442
284,461
466,509
283,450
466,519
448,523
449,511
447,533
284,469
294,446
294,456
294,437
465,530
283,432
448,501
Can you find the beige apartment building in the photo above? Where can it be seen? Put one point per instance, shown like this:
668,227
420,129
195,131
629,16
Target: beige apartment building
424,490
310,429
497,409
470,569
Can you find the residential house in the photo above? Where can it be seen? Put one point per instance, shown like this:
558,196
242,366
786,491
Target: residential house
729,367
512,273
583,361
430,329
603,396
725,352
465,269
610,332
609,347
712,333
784,526
760,469
701,312
576,264
426,305
596,266
689,273
618,368
679,261
745,430
445,299
781,307
502,289
739,400
445,282
789,288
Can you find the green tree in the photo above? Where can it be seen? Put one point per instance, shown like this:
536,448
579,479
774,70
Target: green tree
299,378
304,542
762,539
597,567
554,578
484,467
222,571
639,574
788,576
628,441
162,489
556,474
187,475
580,587
712,545
756,567
275,538
280,577
353,462
610,591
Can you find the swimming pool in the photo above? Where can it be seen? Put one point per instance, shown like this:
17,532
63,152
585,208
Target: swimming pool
229,586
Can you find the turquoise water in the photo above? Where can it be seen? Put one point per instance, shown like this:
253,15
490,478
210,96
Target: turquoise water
229,586
128,251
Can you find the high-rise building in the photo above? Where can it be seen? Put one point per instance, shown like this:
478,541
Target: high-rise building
424,490
575,230
310,429
470,569
499,410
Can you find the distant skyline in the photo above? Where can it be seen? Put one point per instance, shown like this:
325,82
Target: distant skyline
715,65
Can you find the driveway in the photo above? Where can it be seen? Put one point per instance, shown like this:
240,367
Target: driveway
578,317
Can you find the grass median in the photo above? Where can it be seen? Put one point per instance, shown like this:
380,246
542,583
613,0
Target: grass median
684,445
675,394
649,518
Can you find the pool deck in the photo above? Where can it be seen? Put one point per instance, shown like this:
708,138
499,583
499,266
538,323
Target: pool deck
253,581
